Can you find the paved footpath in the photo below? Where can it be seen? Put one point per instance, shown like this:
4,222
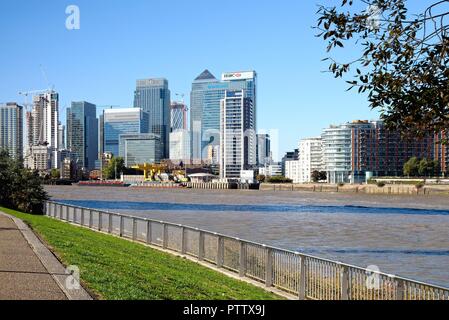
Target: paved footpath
28,270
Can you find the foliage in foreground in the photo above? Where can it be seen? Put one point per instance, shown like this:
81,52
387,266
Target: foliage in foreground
401,58
117,269
20,188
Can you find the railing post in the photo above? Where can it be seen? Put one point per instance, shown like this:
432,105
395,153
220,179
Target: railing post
220,252
122,226
91,218
201,246
134,229
60,212
269,268
242,259
109,222
149,236
82,216
302,278
345,287
75,216
183,241
100,220
165,236
67,211
400,290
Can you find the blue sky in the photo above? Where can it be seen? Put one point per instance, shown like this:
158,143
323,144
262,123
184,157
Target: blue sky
121,41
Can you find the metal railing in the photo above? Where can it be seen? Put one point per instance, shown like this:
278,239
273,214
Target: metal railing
304,276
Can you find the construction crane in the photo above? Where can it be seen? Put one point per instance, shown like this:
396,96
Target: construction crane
27,94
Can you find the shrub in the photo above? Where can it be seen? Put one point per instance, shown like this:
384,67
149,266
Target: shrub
381,184
20,188
279,179
341,184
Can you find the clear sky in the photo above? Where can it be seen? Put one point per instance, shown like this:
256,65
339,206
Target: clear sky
121,41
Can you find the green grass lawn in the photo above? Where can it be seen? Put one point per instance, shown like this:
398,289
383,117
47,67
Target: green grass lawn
119,269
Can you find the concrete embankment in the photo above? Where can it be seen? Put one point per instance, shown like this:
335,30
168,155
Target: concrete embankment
367,189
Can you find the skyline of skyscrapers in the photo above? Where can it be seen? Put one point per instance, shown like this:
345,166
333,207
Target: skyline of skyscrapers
207,92
346,152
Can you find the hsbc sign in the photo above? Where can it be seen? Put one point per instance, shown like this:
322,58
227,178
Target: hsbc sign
229,76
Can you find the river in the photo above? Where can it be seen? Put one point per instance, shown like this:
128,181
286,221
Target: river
402,235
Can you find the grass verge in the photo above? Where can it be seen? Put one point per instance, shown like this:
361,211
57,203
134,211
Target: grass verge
117,269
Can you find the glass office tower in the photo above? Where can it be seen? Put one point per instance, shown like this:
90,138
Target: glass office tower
118,122
82,133
141,148
207,92
11,129
153,97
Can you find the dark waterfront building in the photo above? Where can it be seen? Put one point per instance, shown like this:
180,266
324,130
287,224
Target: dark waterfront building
153,97
82,133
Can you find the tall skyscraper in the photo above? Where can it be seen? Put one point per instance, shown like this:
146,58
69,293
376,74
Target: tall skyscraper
11,129
43,123
153,97
178,117
118,122
238,137
207,92
82,133
310,158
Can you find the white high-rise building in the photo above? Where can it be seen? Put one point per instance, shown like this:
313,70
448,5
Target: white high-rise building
43,124
292,170
237,135
180,146
310,158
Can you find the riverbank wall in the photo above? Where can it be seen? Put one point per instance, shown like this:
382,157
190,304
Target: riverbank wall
366,189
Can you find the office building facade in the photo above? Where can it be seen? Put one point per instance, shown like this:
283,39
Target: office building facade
351,150
180,146
153,97
263,149
238,137
141,148
178,116
118,122
207,93
82,133
11,129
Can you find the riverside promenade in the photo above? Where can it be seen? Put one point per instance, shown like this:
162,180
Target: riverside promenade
28,270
